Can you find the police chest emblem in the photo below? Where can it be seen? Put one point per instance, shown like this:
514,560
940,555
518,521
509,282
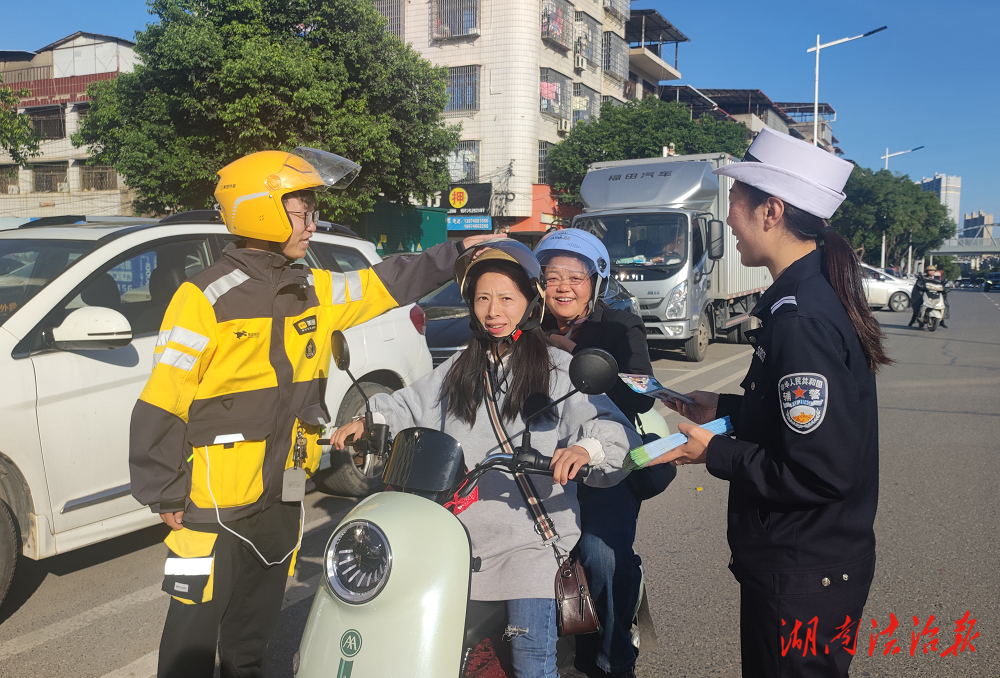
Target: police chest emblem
310,349
804,397
306,325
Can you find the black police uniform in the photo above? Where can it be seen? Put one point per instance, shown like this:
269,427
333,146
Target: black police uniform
803,473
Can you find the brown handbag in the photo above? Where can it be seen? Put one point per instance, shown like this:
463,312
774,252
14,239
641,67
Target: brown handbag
575,612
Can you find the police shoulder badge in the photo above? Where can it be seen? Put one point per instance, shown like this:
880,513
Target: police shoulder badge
803,397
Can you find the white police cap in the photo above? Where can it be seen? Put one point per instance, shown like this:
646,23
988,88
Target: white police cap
799,173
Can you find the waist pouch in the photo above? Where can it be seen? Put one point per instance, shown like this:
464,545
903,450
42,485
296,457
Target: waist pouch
189,572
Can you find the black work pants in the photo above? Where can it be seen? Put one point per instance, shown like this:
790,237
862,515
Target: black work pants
246,600
772,645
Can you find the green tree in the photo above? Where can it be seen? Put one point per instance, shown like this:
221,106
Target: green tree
17,137
883,202
951,270
219,79
638,129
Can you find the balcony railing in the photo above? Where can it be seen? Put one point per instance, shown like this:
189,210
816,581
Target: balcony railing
50,178
619,9
455,18
49,123
558,19
98,178
463,163
556,94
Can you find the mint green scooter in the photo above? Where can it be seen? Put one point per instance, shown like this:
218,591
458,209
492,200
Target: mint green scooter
394,602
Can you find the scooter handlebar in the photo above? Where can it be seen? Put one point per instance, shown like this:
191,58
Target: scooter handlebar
542,463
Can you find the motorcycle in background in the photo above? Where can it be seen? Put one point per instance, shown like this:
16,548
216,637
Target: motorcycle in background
932,308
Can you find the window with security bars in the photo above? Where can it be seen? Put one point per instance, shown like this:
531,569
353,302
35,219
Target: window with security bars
50,178
556,94
454,18
8,179
393,11
619,9
543,162
588,39
558,19
463,163
49,123
586,103
615,62
98,178
463,89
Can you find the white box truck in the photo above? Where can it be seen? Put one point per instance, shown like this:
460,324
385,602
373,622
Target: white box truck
662,222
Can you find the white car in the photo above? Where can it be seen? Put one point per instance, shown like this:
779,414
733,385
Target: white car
65,410
884,290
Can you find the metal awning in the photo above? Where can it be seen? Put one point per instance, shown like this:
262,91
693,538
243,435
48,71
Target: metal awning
648,25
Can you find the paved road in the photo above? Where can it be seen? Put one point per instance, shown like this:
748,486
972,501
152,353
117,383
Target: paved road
98,612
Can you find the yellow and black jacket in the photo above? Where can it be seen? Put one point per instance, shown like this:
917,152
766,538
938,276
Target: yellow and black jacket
241,364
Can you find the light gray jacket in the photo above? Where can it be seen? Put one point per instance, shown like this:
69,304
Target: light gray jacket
515,563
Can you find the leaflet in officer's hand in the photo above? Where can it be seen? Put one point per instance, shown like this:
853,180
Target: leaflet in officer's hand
641,456
647,384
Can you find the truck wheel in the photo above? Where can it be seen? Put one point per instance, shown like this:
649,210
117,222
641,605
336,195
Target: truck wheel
352,476
932,324
9,548
696,347
738,334
899,302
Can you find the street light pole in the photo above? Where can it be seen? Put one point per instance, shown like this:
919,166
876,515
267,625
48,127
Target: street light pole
817,49
886,158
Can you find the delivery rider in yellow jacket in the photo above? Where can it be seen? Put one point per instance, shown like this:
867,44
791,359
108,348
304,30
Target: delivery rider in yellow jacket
226,428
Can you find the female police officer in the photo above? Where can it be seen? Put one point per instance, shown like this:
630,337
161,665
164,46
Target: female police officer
803,467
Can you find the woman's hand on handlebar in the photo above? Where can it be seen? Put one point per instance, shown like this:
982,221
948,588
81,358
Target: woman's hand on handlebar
566,462
355,428
702,412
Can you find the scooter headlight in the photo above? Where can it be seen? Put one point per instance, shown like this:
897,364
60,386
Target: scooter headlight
358,561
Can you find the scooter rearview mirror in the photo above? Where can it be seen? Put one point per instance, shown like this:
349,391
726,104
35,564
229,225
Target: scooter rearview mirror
593,371
341,351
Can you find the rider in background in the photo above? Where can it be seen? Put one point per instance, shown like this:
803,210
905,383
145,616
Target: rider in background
575,265
501,283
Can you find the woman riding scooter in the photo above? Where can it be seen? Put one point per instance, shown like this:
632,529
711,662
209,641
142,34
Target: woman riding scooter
576,267
501,283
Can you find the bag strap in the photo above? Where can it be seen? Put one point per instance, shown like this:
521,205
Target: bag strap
544,526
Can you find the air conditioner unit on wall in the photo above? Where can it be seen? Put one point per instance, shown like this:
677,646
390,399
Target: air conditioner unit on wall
62,187
580,62
13,190
564,125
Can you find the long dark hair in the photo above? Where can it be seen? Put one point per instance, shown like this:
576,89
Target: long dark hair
841,268
527,368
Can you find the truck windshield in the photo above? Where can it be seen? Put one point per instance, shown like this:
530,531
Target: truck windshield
657,239
26,266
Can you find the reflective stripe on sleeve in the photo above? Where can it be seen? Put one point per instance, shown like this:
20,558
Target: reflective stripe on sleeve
339,286
354,285
162,338
311,280
175,358
192,340
224,284
187,567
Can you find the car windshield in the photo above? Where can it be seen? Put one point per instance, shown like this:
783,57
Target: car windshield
641,239
26,266
444,302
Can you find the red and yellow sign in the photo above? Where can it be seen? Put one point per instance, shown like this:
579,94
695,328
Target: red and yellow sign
458,197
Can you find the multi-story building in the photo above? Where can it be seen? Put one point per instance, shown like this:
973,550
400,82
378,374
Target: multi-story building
948,190
59,181
521,73
803,113
977,225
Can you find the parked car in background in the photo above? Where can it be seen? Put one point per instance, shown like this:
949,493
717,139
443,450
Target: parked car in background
448,328
883,290
70,386
991,283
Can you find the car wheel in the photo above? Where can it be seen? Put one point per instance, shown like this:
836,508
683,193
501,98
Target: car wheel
696,347
9,548
350,476
899,302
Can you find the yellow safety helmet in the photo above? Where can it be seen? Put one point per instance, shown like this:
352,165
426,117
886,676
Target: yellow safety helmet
250,190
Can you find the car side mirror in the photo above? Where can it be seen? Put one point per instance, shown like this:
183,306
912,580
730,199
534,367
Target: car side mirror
341,351
92,328
716,239
593,371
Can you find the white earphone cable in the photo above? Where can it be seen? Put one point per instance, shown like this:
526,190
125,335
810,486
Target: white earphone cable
302,517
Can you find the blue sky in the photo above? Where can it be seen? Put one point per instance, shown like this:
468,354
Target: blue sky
932,79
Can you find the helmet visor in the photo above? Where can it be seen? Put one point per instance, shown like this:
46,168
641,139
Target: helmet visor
562,267
334,171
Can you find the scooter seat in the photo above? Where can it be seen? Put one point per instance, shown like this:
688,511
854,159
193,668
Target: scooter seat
483,618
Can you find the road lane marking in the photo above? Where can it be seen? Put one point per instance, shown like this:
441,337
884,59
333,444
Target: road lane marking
29,641
722,382
706,368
